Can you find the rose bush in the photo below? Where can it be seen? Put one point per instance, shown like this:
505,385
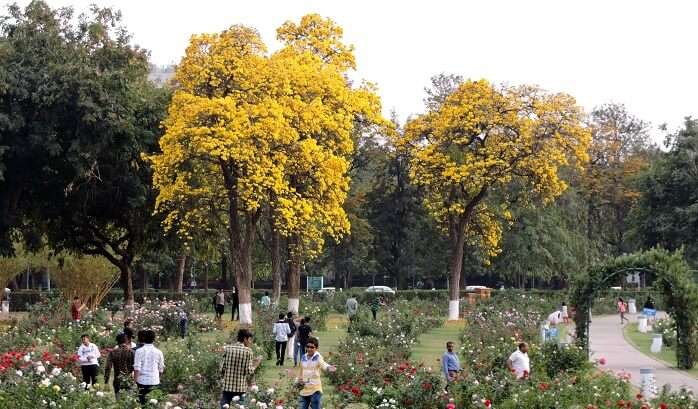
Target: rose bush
560,377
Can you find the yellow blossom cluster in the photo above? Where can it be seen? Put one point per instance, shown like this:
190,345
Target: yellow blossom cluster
487,140
249,130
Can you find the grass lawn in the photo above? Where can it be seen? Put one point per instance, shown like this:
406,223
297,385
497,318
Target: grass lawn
642,343
432,344
278,377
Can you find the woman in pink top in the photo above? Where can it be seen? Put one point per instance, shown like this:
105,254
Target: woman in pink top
622,306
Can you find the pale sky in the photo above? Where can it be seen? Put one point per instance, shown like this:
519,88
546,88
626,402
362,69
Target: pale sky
640,53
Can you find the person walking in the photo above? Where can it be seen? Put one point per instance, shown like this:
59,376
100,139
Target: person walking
554,318
565,314
304,332
352,308
220,304
281,331
309,375
121,359
519,363
183,323
128,333
451,364
237,367
265,302
622,308
235,307
88,356
148,364
375,305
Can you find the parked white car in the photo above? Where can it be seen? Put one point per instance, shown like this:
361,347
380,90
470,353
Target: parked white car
472,288
380,289
327,290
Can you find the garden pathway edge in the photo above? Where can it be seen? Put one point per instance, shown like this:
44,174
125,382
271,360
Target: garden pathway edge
606,340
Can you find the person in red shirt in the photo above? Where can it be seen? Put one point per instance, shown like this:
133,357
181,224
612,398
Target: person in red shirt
622,308
75,308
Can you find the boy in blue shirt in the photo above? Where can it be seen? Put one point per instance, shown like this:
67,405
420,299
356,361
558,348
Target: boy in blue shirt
450,363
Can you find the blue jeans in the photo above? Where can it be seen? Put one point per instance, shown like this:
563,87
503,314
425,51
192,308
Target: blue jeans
298,353
312,401
183,328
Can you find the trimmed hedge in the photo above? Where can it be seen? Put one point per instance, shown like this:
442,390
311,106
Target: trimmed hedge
605,303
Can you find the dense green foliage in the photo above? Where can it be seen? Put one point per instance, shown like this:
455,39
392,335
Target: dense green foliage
667,212
672,277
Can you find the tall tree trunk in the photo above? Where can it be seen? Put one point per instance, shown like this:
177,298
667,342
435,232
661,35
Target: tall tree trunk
127,283
243,277
275,265
182,263
241,241
206,277
335,265
224,271
242,226
294,273
143,274
456,243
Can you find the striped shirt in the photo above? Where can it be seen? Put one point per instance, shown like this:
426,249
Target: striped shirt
310,373
237,367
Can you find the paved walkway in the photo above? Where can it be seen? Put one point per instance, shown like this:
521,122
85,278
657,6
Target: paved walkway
607,341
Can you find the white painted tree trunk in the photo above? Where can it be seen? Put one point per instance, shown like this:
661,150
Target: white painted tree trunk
293,304
453,310
291,347
246,313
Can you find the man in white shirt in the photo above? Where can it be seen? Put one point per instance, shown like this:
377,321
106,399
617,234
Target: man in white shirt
148,364
281,331
518,362
352,308
555,318
88,356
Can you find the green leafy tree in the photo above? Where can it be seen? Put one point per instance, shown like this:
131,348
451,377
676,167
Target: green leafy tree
545,244
667,211
620,149
76,114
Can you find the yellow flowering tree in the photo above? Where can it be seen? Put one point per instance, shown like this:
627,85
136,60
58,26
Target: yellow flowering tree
325,110
485,141
248,131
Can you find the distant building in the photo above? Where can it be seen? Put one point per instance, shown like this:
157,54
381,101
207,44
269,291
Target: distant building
161,75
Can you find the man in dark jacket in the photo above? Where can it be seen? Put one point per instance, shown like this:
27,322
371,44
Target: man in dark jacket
235,301
121,359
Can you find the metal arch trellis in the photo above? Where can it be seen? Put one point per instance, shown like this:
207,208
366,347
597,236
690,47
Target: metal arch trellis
604,280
